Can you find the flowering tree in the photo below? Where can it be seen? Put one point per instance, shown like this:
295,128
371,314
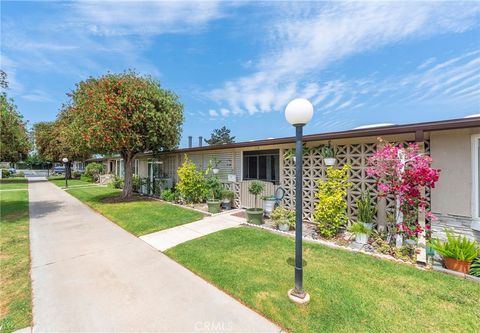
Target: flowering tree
126,114
403,171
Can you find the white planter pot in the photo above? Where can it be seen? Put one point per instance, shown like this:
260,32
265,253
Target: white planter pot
398,241
283,227
268,206
361,238
215,171
330,161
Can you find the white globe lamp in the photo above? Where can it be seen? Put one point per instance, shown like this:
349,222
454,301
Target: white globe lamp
299,112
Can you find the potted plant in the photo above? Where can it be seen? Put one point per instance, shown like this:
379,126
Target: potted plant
458,252
214,187
366,210
328,154
283,219
268,204
213,165
361,232
255,215
227,198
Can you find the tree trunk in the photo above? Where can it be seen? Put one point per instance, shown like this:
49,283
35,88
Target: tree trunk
68,170
127,186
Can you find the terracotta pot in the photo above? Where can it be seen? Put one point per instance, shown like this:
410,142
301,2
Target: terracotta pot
457,265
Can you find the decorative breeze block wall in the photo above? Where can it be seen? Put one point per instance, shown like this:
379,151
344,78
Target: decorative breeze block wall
314,168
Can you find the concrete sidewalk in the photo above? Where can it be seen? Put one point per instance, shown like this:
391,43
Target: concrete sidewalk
88,274
165,239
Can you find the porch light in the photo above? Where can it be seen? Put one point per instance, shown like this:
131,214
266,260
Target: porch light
65,161
298,113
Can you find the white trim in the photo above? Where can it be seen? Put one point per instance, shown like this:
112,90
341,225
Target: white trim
241,165
475,179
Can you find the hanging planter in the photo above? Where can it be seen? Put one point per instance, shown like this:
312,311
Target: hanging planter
215,171
328,153
330,161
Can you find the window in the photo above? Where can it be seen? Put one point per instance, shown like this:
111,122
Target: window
135,167
261,165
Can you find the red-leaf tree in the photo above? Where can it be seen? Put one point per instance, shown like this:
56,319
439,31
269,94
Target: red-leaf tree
126,114
56,140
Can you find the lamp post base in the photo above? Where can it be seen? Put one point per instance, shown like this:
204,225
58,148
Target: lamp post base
296,298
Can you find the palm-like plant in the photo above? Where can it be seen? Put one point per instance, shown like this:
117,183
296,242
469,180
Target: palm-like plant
457,247
366,209
475,267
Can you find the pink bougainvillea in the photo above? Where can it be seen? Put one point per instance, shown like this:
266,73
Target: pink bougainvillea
403,171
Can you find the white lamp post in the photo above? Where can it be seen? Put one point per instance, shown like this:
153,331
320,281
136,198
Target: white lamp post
298,113
65,161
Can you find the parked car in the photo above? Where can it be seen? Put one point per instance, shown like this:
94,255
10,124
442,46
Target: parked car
59,169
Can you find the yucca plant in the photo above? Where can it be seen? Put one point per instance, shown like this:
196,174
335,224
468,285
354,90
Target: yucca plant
366,209
457,247
475,267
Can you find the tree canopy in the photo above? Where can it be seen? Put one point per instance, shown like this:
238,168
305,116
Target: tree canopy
127,114
220,136
14,139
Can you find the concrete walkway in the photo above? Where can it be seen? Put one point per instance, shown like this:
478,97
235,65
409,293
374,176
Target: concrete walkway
88,274
165,239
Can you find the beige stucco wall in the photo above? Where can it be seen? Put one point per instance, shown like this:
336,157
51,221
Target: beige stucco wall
452,153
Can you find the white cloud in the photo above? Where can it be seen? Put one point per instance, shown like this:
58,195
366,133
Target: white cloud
38,95
224,112
303,43
213,113
146,17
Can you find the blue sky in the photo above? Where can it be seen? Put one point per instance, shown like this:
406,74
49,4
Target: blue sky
239,63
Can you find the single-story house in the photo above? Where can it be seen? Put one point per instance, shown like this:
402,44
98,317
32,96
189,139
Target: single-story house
453,144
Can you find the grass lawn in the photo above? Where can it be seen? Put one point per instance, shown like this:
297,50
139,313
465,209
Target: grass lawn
13,183
60,181
138,217
15,288
350,292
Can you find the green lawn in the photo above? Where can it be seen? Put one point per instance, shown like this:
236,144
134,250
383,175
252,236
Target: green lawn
60,181
138,217
350,292
13,183
15,288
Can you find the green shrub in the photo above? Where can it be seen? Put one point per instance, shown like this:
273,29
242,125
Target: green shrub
331,210
456,247
86,178
214,187
137,183
281,215
228,195
191,182
169,195
20,174
475,267
94,170
76,175
256,188
117,182
5,173
366,208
